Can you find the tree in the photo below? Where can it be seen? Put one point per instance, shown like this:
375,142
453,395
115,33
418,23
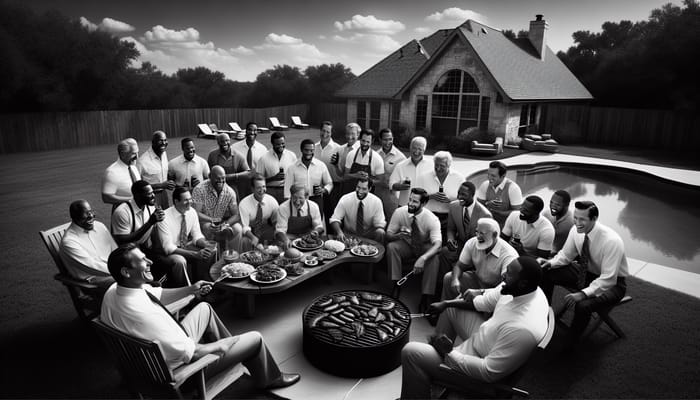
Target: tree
280,85
325,80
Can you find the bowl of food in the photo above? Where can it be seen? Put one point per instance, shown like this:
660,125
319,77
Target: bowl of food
237,270
311,261
255,257
268,274
293,254
230,256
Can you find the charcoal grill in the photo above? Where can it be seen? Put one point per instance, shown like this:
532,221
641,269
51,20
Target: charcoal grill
352,356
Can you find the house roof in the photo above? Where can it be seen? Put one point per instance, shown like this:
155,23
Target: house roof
514,66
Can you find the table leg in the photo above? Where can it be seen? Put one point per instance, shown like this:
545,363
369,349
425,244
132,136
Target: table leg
248,305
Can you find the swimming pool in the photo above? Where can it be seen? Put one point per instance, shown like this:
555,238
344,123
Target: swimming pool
658,221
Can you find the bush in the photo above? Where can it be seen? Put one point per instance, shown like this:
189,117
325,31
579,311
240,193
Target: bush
402,136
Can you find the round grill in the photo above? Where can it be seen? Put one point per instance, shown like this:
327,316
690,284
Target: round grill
355,348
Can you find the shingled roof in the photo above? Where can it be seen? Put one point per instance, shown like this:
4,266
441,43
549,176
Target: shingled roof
514,66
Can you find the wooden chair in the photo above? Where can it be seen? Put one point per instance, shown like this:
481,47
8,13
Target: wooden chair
599,317
143,367
456,381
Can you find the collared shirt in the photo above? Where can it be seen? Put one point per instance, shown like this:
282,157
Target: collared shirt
117,180
503,342
428,223
391,160
183,170
562,226
430,182
153,169
130,310
85,253
343,152
514,193
233,163
346,212
128,218
315,175
169,228
249,210
407,170
356,156
607,256
489,266
538,235
241,147
269,165
309,208
325,153
213,204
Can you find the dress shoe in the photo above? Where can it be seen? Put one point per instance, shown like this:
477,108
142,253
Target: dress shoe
283,381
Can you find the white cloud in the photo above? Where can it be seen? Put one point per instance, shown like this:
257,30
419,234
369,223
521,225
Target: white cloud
455,15
87,24
290,50
370,24
242,51
283,39
370,42
422,30
159,33
109,25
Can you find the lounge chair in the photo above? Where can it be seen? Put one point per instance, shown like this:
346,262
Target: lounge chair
240,133
205,131
217,130
539,143
296,122
487,148
276,126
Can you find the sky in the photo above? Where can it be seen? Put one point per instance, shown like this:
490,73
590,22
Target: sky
243,38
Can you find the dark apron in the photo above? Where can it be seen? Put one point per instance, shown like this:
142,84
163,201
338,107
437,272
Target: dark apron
350,184
318,200
299,225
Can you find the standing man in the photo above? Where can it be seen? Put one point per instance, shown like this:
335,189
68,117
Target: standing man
600,273
442,185
217,208
528,232
561,218
391,157
297,217
188,170
405,174
362,162
499,194
258,215
234,164
121,174
311,174
414,232
352,134
250,147
153,167
324,151
361,214
274,164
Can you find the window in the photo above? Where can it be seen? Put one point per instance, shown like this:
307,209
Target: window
374,113
528,119
362,113
421,112
395,114
457,104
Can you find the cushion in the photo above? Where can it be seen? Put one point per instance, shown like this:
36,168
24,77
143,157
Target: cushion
550,141
533,137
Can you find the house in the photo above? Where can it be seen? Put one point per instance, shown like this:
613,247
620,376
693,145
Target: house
472,76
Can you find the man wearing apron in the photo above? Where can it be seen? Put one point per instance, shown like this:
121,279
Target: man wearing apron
297,217
362,163
499,194
352,133
310,173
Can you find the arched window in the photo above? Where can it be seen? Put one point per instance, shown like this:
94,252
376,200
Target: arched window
458,105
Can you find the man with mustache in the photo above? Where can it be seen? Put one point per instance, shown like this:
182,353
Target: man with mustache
120,175
188,169
528,232
153,167
364,205
561,218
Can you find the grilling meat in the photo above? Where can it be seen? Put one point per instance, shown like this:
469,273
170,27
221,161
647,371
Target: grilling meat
315,320
336,335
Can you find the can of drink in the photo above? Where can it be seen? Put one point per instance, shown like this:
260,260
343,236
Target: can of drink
441,189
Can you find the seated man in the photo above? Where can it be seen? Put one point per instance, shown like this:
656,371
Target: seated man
258,215
481,263
298,216
599,274
528,232
561,218
493,348
86,245
217,209
414,232
361,214
136,308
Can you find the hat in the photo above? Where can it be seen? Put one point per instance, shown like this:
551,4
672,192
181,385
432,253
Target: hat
488,226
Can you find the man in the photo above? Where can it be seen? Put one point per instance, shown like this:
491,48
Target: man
136,308
188,170
258,215
529,233
310,173
362,162
599,273
361,214
86,245
180,239
153,167
121,174
250,147
481,263
441,184
561,218
298,216
273,164
414,232
325,150
236,167
404,177
391,157
499,194
217,209
352,133
493,348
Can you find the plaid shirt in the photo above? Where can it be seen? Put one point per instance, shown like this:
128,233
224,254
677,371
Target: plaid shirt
213,204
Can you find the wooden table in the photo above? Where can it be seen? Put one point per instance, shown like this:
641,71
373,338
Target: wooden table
249,289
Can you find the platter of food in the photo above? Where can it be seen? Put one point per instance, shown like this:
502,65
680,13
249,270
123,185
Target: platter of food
268,274
307,242
324,254
237,270
254,257
351,242
365,250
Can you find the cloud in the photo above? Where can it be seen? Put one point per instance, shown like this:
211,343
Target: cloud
109,25
290,50
422,30
370,43
275,39
370,24
92,27
242,50
159,33
455,15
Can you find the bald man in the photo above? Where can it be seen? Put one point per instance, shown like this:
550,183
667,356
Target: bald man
217,207
121,174
153,167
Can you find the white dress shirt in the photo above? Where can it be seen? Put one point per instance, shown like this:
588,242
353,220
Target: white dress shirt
325,153
315,175
169,228
430,182
489,267
117,180
248,208
534,236
346,212
407,170
153,169
85,253
391,160
428,223
259,150
183,170
269,165
285,211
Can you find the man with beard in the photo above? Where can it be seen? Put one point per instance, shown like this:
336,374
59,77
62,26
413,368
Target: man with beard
405,174
391,157
217,207
360,213
274,164
234,164
250,147
362,162
493,347
153,167
441,184
528,232
352,133
561,218
121,174
188,170
86,245
258,215
298,216
481,263
309,173
325,149
414,233
499,194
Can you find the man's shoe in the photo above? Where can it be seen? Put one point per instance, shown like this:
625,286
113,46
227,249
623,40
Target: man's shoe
283,381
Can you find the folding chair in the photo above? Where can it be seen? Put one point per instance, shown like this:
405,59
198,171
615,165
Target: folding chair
276,126
296,122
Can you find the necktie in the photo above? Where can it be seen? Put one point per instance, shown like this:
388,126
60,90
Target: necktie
299,212
584,258
259,217
360,220
466,220
183,232
131,174
249,158
416,240
155,300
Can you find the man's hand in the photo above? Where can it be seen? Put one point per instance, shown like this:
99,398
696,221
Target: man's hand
470,294
517,245
204,253
451,244
157,216
440,197
437,307
455,284
442,344
340,236
545,264
572,298
279,177
169,184
318,190
419,265
254,241
194,181
201,288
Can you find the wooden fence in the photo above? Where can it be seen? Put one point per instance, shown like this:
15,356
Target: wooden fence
622,127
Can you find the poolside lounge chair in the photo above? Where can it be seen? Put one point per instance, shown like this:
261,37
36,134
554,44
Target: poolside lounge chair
487,148
217,130
296,122
539,143
276,126
240,133
205,131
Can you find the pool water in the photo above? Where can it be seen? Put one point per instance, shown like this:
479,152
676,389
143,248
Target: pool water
657,220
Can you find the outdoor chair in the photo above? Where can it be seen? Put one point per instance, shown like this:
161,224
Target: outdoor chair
143,367
487,148
296,122
599,317
276,126
240,133
458,382
539,143
205,131
215,129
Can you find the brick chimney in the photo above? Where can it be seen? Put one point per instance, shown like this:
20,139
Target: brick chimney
538,35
